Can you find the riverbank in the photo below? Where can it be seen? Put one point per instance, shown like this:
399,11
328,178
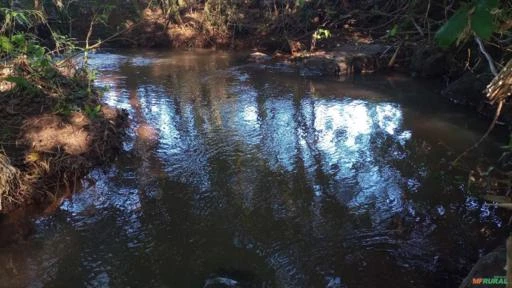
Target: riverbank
309,32
344,38
54,130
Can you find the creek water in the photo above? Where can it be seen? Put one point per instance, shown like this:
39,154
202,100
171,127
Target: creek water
238,174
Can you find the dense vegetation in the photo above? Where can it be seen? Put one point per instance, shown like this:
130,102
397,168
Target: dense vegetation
429,38
47,95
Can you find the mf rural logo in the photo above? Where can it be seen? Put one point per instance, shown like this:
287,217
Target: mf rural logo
496,280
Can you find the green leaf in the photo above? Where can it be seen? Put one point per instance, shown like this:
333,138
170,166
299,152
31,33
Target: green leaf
393,31
451,30
22,19
19,81
35,51
482,22
19,40
6,44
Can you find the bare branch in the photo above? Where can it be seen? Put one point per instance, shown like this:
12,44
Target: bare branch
487,56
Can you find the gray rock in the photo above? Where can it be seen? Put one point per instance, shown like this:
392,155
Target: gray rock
468,89
259,57
345,60
488,266
320,66
221,282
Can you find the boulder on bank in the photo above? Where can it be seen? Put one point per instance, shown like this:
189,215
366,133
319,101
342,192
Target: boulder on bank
468,89
319,66
488,266
349,59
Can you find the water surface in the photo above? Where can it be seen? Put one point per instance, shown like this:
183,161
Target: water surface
250,175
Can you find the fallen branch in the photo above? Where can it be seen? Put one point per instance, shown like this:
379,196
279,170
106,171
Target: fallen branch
99,43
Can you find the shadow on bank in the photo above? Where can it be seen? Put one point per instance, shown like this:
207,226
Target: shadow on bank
54,130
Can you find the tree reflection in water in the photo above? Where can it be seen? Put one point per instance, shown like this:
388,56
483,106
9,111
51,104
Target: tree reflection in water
265,178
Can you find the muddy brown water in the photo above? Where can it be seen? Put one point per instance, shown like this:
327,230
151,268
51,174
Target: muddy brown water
238,174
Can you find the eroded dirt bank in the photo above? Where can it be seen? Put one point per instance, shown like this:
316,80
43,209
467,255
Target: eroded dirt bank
53,131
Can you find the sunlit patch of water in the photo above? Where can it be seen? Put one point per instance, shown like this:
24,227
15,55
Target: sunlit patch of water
252,174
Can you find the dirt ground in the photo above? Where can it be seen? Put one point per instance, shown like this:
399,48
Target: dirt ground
51,135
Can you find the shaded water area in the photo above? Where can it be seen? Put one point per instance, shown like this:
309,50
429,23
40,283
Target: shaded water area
238,174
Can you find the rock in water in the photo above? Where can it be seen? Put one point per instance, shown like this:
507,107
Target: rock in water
489,268
259,57
221,282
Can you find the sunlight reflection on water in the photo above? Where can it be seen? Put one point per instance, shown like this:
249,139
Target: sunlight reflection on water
263,176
